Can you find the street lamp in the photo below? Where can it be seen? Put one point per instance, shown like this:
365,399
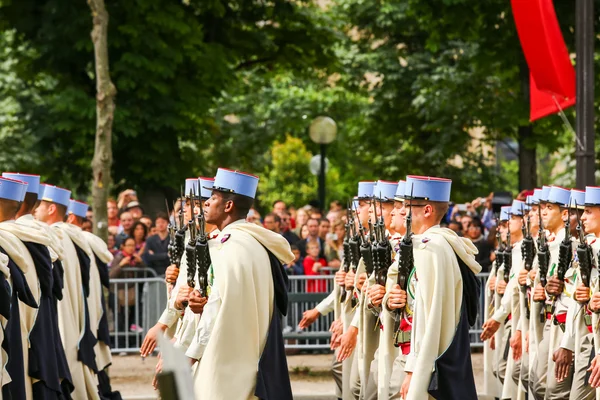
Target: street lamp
322,131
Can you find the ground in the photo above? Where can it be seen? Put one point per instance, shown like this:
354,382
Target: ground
310,374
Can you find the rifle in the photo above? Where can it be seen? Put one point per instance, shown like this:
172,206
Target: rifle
373,239
190,248
347,254
406,264
354,243
565,255
203,260
171,249
366,250
527,247
543,252
384,251
584,254
500,248
180,233
507,256
528,253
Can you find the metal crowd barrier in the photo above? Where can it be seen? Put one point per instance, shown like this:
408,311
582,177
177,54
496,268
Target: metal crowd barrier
142,301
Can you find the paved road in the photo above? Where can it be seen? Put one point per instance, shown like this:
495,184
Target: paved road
311,379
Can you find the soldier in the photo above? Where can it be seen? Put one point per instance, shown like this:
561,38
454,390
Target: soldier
394,343
446,300
16,382
353,282
99,256
547,381
508,310
529,263
578,329
73,313
380,214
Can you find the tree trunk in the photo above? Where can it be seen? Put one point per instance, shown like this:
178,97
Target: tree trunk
527,152
105,109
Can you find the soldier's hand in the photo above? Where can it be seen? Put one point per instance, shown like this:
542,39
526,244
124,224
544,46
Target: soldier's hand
340,277
516,345
555,286
171,273
532,274
501,288
523,277
582,294
375,294
151,339
595,372
594,304
405,385
308,318
397,298
563,359
348,343
157,370
336,329
489,328
361,280
183,296
539,294
492,284
349,283
197,302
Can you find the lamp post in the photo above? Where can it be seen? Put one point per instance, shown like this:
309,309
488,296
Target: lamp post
322,131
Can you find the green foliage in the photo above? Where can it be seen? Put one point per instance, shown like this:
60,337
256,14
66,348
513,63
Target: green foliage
287,176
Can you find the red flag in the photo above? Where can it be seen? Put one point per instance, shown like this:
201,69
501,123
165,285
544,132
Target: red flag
552,73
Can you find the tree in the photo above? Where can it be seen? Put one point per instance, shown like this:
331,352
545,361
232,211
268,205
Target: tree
105,110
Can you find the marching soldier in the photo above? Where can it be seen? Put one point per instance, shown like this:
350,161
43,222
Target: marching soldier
446,300
99,256
553,289
249,291
19,317
73,313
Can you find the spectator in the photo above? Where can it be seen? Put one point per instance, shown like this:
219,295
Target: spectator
156,253
313,263
126,225
113,216
335,210
301,219
279,207
125,197
324,226
146,220
465,221
297,266
89,215
272,222
112,244
313,236
253,217
135,209
334,249
292,210
475,233
124,261
290,236
303,232
456,227
139,234
316,214
86,225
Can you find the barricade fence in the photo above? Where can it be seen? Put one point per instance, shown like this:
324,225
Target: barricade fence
136,304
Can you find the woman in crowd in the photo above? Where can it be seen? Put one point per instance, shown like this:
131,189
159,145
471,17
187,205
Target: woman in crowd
301,219
304,231
139,233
